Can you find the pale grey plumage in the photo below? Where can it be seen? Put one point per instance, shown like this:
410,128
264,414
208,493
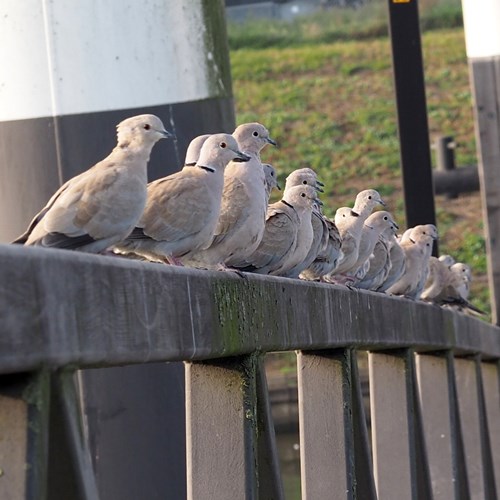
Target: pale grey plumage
417,253
316,225
244,203
372,228
379,263
280,235
194,149
327,260
397,259
271,179
101,206
182,209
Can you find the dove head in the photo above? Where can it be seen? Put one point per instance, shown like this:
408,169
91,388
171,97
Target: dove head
193,150
447,260
380,221
345,216
271,178
426,229
252,137
218,150
462,270
301,197
141,130
305,176
366,201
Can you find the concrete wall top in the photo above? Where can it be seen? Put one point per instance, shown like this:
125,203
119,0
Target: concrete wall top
61,308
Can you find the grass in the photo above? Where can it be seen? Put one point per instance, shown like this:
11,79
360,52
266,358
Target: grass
337,24
331,107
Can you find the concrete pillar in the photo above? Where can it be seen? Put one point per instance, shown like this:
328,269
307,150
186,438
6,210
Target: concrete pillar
482,36
70,72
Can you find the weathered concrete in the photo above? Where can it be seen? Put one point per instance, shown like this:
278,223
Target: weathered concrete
60,308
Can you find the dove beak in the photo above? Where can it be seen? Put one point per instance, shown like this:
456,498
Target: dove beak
319,187
167,135
319,202
354,214
395,226
382,203
278,187
240,157
271,141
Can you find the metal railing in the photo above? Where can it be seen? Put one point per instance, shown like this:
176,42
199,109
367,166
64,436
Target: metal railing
433,374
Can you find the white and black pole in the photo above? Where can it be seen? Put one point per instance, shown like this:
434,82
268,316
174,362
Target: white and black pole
70,72
482,37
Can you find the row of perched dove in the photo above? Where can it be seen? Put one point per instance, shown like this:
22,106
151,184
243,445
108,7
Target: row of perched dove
215,213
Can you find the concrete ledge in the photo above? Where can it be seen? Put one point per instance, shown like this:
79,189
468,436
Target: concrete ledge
61,308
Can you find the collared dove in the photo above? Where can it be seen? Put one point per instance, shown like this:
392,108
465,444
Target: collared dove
101,206
447,260
281,230
449,286
244,203
271,179
182,209
425,229
366,201
193,150
314,225
350,224
398,256
464,277
379,262
397,259
417,254
327,259
372,228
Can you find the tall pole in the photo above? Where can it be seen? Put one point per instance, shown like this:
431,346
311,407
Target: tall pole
411,103
482,37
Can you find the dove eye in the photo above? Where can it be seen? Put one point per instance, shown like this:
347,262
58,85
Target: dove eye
147,126
256,134
222,145
303,195
385,218
304,182
369,197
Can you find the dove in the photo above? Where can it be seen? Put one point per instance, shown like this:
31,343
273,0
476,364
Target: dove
397,263
307,177
244,203
271,179
449,286
280,235
464,277
193,150
417,254
101,206
447,260
328,258
379,262
350,224
437,280
425,229
372,228
366,201
182,209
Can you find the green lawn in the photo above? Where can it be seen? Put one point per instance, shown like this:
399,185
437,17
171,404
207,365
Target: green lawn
331,107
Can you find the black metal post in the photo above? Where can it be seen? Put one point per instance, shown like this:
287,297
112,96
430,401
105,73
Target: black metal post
413,129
